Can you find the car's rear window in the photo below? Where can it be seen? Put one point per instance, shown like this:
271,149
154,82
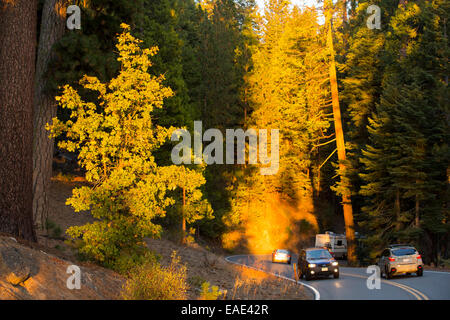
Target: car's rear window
403,252
282,251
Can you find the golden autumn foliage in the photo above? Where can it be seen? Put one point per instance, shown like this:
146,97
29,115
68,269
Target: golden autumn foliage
288,91
116,139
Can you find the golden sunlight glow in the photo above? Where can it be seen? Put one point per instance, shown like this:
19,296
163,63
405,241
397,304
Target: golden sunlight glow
275,224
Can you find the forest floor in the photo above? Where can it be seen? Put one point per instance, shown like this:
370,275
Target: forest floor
52,255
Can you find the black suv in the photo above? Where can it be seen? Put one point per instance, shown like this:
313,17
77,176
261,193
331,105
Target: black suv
314,262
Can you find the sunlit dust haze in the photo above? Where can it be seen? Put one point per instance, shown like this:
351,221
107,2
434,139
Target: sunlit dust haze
275,224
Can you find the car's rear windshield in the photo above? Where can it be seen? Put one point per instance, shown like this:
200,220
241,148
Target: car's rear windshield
318,254
403,252
282,251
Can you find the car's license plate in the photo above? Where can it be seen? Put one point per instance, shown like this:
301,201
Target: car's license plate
324,269
406,260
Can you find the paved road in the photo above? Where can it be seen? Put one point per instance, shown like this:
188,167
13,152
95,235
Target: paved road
352,283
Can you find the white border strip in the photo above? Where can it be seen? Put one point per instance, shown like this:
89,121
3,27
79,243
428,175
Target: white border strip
314,290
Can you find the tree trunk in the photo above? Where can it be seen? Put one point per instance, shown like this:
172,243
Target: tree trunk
17,62
346,199
397,204
417,211
52,29
183,219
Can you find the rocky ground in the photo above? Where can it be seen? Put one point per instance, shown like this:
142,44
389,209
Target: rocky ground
29,272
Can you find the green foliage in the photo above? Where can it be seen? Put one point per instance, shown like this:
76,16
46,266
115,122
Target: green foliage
159,27
207,292
129,260
60,247
54,231
116,139
196,281
151,281
90,50
404,167
49,224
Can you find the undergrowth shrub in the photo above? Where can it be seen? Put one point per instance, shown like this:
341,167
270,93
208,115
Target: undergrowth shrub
151,281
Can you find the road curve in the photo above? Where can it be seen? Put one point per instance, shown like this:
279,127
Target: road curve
352,283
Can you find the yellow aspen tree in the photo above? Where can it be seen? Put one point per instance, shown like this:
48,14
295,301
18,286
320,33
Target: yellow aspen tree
116,140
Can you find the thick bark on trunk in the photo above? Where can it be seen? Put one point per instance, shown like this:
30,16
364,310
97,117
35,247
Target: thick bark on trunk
52,29
17,63
346,199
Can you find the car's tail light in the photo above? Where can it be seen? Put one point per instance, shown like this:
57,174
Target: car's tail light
419,257
391,259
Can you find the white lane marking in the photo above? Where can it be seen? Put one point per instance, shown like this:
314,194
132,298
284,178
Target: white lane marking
416,293
316,292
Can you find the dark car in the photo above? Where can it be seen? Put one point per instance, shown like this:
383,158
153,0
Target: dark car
316,262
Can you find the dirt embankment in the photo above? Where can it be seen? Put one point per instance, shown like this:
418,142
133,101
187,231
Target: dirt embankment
236,283
32,273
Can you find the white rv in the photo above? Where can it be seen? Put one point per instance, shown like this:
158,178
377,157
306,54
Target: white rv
335,243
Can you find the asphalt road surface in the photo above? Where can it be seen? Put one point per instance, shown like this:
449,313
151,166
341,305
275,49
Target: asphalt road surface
352,282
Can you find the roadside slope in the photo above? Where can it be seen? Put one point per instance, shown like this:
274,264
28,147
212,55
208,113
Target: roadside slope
238,283
31,273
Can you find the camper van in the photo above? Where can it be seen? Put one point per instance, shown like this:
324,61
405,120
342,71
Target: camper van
335,243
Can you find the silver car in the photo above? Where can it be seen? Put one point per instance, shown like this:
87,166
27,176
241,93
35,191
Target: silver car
400,259
281,255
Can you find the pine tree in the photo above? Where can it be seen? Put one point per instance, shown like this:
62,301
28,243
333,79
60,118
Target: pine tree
91,50
160,28
224,52
362,71
220,93
53,24
17,68
287,92
342,189
408,133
